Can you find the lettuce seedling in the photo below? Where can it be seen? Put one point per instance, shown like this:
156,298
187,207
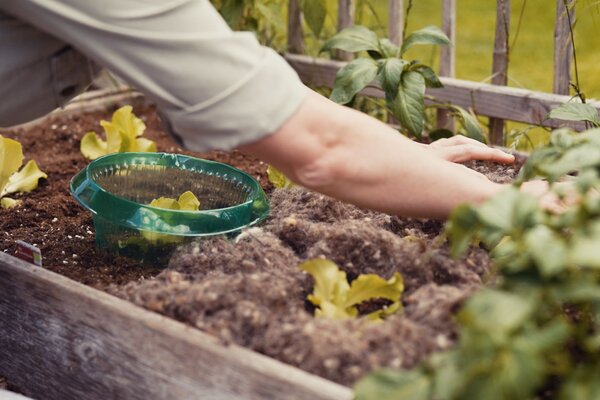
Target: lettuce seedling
278,179
122,135
336,298
11,181
187,201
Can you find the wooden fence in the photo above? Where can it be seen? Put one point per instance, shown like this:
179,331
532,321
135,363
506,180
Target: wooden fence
494,100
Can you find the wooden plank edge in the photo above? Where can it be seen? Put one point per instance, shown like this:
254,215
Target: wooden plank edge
62,339
513,104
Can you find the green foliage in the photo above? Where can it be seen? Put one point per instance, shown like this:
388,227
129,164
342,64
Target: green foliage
187,201
576,112
278,179
11,181
336,298
122,135
404,82
538,328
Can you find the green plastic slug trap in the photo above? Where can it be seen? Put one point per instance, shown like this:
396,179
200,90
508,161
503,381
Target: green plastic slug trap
119,187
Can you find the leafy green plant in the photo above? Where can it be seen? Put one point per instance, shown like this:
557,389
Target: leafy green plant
11,181
122,135
335,298
573,111
278,179
404,82
187,201
538,329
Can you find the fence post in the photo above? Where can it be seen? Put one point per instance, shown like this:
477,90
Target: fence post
345,19
500,65
396,21
295,34
447,57
563,49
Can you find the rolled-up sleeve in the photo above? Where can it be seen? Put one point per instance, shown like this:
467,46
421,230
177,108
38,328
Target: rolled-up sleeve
216,88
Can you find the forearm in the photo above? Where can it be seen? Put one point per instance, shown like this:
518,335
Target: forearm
352,157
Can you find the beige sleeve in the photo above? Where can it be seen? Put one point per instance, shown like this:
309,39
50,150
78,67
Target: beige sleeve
215,87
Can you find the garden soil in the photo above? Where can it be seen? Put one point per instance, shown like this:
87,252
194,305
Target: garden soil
249,290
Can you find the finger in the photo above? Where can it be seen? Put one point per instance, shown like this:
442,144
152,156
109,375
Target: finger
470,152
457,141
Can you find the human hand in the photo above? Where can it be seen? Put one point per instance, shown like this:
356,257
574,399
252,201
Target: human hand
461,148
550,200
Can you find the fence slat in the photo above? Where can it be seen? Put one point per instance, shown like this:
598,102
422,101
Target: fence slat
502,102
447,56
563,49
500,65
396,21
345,19
295,34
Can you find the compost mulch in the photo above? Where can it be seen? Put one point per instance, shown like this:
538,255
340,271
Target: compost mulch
249,290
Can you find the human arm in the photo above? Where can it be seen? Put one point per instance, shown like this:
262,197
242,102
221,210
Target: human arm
350,156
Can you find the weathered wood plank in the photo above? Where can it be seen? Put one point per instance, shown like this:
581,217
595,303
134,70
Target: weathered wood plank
63,340
295,34
563,48
396,21
447,56
346,9
503,102
500,63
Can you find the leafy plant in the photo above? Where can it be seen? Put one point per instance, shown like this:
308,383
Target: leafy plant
11,181
538,329
278,179
336,298
186,201
122,134
573,111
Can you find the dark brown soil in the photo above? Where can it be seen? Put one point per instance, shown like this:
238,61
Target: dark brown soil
249,290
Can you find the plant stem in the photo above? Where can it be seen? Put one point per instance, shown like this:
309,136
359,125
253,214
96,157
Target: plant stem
577,87
408,8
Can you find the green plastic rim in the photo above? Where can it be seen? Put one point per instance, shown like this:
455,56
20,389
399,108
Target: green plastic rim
117,189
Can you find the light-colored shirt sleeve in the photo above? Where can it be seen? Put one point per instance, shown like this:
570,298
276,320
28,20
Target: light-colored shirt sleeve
216,88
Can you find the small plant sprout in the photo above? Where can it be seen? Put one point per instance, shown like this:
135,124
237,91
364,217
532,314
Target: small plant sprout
335,298
122,135
11,181
278,179
186,202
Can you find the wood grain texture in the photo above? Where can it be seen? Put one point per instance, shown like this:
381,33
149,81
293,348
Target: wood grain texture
396,20
63,340
500,63
563,49
503,102
346,10
295,33
447,56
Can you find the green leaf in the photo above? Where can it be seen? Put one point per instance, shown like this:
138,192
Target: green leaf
278,179
122,135
8,203
232,11
188,201
575,112
496,312
431,78
353,78
314,12
25,180
548,250
470,122
408,105
574,159
583,251
582,384
11,158
461,228
92,146
427,35
165,202
388,48
354,39
335,298
369,286
387,384
390,75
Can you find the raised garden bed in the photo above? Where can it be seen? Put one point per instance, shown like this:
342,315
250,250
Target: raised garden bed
62,339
